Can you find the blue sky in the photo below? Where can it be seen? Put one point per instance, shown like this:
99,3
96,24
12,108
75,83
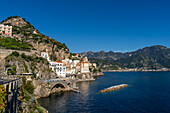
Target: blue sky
94,25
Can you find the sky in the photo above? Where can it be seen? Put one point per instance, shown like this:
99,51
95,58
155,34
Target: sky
95,25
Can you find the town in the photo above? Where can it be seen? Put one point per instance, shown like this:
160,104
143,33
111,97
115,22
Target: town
37,69
68,67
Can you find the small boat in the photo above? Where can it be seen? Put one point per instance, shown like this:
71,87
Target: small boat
77,91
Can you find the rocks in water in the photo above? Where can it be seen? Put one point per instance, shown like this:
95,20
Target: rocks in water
113,88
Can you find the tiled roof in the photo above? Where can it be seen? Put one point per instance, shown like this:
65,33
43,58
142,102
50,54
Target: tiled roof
59,61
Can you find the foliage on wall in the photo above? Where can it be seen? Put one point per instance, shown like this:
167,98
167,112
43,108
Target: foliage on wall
3,100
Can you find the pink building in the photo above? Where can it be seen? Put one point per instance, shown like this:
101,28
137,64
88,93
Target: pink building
5,29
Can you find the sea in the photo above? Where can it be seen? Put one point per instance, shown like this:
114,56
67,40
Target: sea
148,92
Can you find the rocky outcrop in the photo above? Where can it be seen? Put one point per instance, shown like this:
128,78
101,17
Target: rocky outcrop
97,74
42,89
15,21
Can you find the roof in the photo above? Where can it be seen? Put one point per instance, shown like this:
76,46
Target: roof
85,62
59,61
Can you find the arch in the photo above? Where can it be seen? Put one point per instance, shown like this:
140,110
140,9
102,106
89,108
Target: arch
58,84
9,68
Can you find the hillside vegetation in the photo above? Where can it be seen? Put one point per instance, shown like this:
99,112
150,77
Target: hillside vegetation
14,44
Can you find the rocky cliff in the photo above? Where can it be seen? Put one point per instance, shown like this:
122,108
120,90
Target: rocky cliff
21,63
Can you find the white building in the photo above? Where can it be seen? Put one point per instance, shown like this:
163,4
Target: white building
60,69
84,68
67,61
45,55
53,65
75,62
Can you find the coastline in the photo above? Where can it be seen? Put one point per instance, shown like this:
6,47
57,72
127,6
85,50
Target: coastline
160,70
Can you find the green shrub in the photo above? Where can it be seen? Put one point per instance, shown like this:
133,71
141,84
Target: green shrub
29,87
95,70
23,56
11,72
14,44
13,68
7,65
3,100
15,53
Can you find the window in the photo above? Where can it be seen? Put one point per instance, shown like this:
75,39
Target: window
4,27
0,27
0,30
8,28
8,31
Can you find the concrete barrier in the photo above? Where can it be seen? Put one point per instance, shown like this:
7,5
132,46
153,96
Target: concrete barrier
113,88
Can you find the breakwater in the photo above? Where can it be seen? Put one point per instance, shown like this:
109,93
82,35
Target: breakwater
113,88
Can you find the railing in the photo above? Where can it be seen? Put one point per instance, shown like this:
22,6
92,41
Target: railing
12,94
59,79
8,81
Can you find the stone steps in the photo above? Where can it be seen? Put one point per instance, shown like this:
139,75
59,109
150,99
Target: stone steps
2,65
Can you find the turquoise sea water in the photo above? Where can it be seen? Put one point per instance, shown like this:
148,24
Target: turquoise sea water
147,92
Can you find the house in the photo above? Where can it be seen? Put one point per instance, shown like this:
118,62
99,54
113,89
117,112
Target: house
75,62
67,61
93,65
76,56
60,69
78,65
5,29
53,65
84,67
45,55
85,59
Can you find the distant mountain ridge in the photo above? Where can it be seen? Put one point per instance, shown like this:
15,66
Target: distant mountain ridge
105,55
154,57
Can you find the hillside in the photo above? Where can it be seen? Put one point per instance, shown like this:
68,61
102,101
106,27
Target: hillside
25,32
154,57
105,55
29,43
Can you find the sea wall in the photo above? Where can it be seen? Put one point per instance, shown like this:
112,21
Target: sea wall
113,88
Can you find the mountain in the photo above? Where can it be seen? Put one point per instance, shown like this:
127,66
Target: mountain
154,57
23,31
104,55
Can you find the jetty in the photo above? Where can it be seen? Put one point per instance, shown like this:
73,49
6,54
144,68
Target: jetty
113,88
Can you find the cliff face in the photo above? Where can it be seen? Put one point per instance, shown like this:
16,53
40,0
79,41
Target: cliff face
24,31
21,63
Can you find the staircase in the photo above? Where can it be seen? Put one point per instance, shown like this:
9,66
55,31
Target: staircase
2,66
2,62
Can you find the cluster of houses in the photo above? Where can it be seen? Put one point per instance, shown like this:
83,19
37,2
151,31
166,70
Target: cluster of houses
68,67
5,29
